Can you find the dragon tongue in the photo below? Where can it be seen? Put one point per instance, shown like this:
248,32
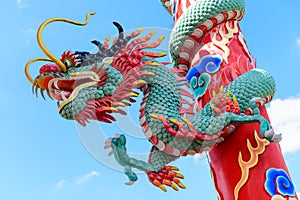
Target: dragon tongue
68,94
61,96
57,96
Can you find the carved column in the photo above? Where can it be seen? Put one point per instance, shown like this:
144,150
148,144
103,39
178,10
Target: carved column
244,166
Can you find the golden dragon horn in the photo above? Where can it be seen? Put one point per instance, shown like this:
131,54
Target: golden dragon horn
28,65
51,57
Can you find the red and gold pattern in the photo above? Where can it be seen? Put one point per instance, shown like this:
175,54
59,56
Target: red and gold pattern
238,165
251,163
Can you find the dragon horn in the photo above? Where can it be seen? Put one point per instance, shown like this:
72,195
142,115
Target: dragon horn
51,58
28,65
40,41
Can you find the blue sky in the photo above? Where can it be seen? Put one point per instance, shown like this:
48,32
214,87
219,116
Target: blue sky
42,155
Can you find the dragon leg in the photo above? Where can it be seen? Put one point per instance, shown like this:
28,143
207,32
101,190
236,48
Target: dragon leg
254,105
225,120
159,174
265,128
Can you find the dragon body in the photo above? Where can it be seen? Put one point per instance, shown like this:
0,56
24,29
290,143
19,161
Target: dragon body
173,136
101,87
94,86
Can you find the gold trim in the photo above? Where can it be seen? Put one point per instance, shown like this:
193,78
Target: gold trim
222,44
75,93
246,166
90,73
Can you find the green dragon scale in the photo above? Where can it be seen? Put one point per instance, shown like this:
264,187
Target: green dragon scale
196,14
94,86
200,132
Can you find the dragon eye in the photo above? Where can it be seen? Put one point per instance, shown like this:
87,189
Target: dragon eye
68,63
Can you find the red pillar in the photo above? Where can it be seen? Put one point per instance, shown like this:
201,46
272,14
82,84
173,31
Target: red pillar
238,174
244,166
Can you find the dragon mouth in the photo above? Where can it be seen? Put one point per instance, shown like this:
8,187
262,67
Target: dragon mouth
65,90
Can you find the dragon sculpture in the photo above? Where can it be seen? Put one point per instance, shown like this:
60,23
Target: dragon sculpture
177,120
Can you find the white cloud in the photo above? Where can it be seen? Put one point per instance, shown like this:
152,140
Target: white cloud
21,4
77,181
61,183
285,119
200,158
86,177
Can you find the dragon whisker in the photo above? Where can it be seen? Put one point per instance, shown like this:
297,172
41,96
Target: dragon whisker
36,90
48,93
33,87
42,93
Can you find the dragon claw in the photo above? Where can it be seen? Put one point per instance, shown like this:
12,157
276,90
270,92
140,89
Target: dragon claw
168,176
260,101
108,141
110,153
269,133
178,182
178,175
277,138
271,136
170,168
130,183
107,146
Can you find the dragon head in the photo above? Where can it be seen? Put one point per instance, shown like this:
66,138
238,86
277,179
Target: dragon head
93,86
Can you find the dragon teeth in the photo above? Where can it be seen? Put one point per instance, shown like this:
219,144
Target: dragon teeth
56,84
63,97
